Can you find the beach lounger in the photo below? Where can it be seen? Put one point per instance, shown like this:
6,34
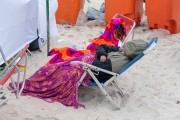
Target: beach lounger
9,70
89,69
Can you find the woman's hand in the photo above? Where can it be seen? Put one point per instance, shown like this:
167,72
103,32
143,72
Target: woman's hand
103,58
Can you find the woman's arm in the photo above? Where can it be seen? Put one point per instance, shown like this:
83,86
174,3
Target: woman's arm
103,50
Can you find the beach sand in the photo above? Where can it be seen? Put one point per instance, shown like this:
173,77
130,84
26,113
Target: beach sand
153,84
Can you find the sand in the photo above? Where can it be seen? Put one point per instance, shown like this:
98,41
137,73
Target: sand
153,84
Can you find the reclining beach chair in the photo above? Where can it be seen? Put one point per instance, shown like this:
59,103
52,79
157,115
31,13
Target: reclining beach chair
10,68
89,69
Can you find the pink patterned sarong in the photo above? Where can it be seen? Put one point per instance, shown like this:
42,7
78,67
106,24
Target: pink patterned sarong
58,82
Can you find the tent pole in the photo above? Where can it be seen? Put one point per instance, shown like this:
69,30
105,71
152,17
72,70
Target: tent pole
48,26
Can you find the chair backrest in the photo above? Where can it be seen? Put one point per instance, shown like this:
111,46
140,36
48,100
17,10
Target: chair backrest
150,46
130,24
10,68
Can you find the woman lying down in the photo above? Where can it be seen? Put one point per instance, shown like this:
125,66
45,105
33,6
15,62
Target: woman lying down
58,82
113,58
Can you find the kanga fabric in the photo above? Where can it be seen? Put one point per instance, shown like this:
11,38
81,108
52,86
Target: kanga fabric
58,82
62,54
108,37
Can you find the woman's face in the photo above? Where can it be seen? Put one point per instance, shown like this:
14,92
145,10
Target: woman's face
103,58
119,34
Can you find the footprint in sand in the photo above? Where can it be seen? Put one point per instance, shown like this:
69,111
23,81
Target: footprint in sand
27,119
52,118
177,70
177,102
87,98
38,117
174,55
62,34
97,117
176,118
15,114
71,36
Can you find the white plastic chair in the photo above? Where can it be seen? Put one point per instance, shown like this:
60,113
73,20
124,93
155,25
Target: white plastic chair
9,70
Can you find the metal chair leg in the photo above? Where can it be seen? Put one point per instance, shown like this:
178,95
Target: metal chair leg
2,94
29,52
3,101
118,88
20,91
104,91
3,98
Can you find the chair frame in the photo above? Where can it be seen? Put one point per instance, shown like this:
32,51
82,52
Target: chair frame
10,69
88,69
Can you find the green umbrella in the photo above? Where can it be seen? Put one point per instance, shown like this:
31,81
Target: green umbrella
48,26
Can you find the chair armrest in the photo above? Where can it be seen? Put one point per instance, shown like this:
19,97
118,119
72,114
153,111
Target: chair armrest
92,67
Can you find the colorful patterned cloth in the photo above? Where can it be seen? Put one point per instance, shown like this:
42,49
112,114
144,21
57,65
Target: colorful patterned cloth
62,54
58,82
108,36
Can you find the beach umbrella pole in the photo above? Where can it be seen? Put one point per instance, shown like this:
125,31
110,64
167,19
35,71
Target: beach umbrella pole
48,26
